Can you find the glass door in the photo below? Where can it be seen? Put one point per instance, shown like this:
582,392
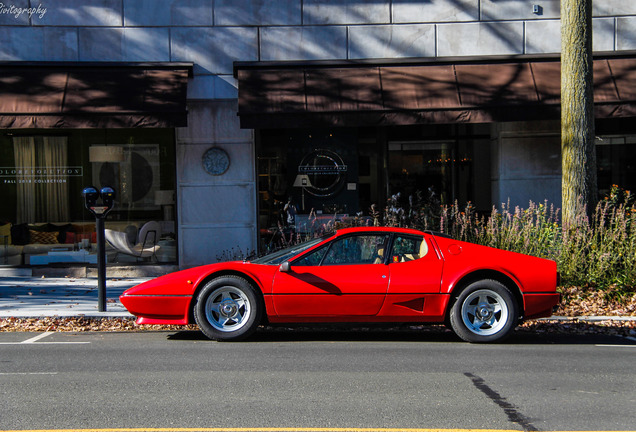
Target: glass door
423,166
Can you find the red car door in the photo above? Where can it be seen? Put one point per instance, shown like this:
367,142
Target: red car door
415,281
414,266
347,277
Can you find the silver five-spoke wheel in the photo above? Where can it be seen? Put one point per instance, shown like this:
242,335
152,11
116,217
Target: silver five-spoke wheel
484,311
228,308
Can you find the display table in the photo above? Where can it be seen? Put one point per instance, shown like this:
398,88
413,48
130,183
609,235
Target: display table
65,256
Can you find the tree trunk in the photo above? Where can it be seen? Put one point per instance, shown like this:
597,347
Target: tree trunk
578,151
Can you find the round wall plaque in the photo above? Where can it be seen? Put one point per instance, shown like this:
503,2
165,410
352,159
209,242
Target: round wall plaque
216,161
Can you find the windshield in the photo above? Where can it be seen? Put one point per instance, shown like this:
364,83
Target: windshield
283,255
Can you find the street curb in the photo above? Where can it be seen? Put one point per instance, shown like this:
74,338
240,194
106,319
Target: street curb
98,315
589,318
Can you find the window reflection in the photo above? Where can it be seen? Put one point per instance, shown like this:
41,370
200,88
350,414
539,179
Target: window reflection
350,250
408,248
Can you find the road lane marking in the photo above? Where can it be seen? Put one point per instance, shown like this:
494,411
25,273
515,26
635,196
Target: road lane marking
629,338
35,339
284,429
616,346
268,429
38,337
44,343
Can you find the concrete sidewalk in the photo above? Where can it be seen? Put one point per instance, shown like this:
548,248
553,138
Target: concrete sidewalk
29,297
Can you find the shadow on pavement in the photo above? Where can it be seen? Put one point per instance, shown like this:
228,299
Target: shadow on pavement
438,334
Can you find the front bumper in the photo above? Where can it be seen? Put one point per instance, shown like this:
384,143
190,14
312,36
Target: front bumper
158,309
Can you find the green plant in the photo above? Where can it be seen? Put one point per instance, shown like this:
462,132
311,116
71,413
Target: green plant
235,254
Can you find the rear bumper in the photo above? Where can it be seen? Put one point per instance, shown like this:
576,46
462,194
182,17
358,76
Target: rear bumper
540,305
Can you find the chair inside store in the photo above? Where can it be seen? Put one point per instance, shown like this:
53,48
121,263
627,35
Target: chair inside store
146,246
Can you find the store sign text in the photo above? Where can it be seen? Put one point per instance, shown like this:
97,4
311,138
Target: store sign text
322,169
14,175
326,172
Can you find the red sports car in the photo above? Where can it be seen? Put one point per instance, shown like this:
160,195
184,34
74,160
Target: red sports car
357,275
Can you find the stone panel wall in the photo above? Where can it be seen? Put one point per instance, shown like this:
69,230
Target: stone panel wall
526,163
214,33
215,213
293,29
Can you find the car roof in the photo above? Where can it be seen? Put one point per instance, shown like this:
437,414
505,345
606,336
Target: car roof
344,231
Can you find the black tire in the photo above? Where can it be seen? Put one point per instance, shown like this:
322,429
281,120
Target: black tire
228,309
484,311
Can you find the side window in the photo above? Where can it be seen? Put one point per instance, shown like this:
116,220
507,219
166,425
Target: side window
408,248
313,259
360,249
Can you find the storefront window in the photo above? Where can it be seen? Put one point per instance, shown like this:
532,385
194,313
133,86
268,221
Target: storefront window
42,174
445,163
341,172
616,162
424,166
303,172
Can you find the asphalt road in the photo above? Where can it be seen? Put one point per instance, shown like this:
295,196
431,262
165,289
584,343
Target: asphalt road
316,379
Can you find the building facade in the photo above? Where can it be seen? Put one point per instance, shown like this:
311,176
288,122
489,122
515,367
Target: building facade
208,116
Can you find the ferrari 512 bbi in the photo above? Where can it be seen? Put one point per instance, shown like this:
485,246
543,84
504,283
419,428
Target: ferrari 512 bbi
357,275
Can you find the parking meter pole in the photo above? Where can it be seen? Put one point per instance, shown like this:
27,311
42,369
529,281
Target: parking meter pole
91,196
101,265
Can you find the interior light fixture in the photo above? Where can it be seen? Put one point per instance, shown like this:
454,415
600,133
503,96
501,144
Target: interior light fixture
104,153
302,181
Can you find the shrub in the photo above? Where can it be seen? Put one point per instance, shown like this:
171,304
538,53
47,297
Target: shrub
601,251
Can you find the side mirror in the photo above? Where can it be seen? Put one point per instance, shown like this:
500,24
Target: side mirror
285,267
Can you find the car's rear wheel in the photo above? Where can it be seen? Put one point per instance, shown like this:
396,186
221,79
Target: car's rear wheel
485,311
228,309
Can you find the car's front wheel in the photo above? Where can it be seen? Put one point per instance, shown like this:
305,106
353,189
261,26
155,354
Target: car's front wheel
485,311
228,309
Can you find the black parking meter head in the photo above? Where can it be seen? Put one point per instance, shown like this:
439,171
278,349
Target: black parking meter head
108,197
91,195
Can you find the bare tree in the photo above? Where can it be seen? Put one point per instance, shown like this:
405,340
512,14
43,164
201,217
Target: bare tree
577,109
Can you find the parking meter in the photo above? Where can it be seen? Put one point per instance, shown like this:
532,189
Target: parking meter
91,196
108,198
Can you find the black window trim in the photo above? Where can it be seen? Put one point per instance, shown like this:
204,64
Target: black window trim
356,234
